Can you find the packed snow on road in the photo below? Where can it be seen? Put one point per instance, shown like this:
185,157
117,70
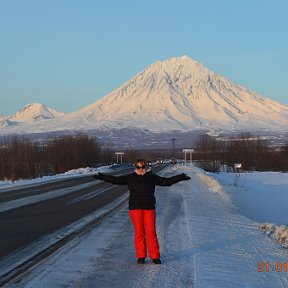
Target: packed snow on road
209,231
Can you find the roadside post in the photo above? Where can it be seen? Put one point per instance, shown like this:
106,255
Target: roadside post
188,151
237,169
121,156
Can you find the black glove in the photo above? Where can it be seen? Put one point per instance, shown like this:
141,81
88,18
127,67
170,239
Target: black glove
185,176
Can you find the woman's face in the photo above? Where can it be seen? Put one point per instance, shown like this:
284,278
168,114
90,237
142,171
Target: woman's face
140,168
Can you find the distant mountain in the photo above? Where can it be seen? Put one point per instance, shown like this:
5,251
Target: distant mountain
31,113
35,112
177,94
181,94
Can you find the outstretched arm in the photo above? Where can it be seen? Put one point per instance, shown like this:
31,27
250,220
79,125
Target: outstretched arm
118,180
163,181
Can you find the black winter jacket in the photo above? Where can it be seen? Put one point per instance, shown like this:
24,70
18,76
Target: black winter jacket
141,187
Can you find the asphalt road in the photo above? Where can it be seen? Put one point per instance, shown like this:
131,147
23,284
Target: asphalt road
25,224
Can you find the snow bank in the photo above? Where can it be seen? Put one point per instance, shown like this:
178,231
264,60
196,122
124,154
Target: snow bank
213,185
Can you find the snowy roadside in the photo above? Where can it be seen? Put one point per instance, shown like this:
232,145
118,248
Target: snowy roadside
262,197
205,241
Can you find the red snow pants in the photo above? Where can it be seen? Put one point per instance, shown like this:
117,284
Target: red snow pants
145,233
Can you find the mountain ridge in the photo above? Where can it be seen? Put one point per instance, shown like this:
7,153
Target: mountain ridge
177,94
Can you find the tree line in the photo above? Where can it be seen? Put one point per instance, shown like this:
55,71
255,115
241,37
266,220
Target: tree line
252,152
21,158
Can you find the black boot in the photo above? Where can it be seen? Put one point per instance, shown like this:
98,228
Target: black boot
141,261
156,261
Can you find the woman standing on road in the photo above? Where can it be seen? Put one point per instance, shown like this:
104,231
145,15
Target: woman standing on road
142,201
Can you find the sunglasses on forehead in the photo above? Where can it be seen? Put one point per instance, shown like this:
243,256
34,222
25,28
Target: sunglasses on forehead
140,167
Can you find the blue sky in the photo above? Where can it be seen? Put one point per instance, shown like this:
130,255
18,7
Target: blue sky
67,53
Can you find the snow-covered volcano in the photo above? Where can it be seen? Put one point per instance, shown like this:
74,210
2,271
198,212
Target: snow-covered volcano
177,94
181,94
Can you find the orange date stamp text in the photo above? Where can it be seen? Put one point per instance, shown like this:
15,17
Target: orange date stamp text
272,267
